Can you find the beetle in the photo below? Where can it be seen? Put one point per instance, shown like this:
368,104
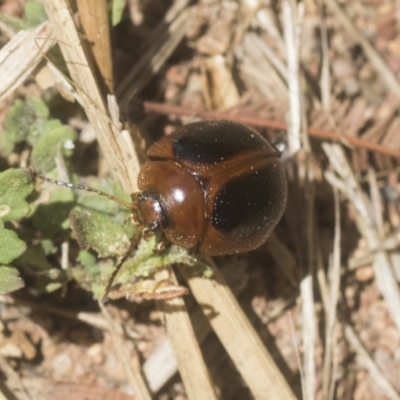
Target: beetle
213,187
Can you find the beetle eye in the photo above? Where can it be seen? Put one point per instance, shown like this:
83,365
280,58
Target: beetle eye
150,211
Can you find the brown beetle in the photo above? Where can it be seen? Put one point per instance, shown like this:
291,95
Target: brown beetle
217,187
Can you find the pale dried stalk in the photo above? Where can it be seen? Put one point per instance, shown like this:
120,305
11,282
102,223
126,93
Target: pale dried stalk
219,85
325,79
21,55
14,382
259,63
292,57
387,76
194,374
81,72
283,258
367,224
131,364
238,336
160,366
164,41
369,364
290,14
332,300
94,18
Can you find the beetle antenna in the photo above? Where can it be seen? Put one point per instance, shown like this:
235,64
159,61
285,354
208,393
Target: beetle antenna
135,241
83,187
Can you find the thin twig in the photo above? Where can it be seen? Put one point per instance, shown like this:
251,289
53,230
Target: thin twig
130,361
292,57
303,180
367,224
369,364
21,55
239,338
334,285
267,123
387,76
194,374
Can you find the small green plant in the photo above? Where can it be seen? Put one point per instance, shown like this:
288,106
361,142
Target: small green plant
34,224
15,186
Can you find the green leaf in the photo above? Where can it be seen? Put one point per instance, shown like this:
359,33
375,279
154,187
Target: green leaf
9,279
146,260
40,128
21,119
116,12
58,140
34,260
35,13
11,247
98,231
53,286
52,217
88,260
15,186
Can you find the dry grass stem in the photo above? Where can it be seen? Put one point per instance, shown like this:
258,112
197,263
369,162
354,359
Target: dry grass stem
292,57
130,362
21,55
94,18
305,190
160,366
80,69
369,364
163,42
219,83
259,63
13,380
388,78
368,228
193,371
272,124
238,336
332,301
325,80
284,258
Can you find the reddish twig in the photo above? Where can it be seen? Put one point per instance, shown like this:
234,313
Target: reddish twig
161,108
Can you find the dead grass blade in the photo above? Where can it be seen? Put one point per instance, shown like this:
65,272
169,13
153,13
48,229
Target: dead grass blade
130,364
14,382
194,374
334,288
302,181
238,336
367,224
94,18
81,69
369,364
292,56
21,55
387,76
325,80
163,42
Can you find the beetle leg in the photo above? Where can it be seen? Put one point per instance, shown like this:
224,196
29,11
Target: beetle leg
135,241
